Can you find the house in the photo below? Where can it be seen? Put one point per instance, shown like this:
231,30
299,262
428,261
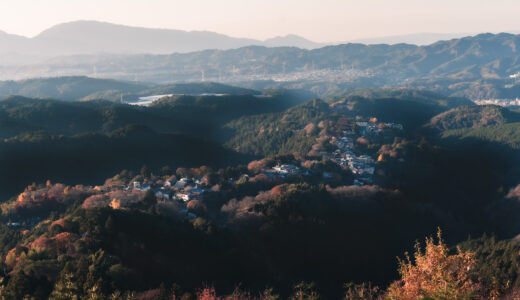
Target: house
286,169
144,187
365,159
182,183
197,190
183,196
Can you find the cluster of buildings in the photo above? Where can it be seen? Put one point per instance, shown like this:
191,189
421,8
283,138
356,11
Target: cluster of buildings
363,165
499,102
286,170
372,128
185,189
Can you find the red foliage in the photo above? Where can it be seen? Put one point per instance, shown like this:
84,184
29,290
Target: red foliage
148,295
257,166
95,201
514,193
362,141
309,128
59,243
196,205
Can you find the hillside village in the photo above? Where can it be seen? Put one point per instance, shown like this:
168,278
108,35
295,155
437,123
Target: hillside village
348,156
343,144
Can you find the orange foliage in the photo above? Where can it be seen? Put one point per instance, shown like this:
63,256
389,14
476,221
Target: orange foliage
34,197
196,205
60,222
362,141
436,274
388,150
259,165
207,294
60,242
95,201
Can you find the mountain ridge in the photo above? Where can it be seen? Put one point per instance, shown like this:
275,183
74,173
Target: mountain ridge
94,37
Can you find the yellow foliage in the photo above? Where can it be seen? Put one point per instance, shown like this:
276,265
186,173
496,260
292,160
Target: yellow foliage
435,274
115,203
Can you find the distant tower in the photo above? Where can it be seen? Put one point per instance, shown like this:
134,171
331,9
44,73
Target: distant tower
121,100
202,76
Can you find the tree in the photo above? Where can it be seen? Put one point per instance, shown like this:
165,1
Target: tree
145,171
150,199
66,288
166,170
436,274
305,291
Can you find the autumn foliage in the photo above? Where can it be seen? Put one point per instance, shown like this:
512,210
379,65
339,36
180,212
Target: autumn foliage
435,274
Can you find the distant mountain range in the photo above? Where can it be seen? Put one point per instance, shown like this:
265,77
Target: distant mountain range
488,56
92,37
477,67
423,38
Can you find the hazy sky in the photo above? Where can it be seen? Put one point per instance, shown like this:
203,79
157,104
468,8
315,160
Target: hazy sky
319,20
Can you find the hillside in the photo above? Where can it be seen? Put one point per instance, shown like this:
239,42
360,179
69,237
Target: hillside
102,206
74,88
167,89
72,137
473,117
422,96
278,133
20,114
408,107
194,115
91,157
66,88
507,134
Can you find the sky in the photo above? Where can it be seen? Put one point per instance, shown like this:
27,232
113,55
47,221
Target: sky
318,20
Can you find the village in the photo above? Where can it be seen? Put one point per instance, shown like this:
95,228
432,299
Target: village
362,165
189,188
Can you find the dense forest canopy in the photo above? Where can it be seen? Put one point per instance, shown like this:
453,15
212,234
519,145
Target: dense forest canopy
218,190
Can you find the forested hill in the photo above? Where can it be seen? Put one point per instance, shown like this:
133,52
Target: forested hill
91,157
473,117
195,115
408,107
81,88
91,140
97,205
66,88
